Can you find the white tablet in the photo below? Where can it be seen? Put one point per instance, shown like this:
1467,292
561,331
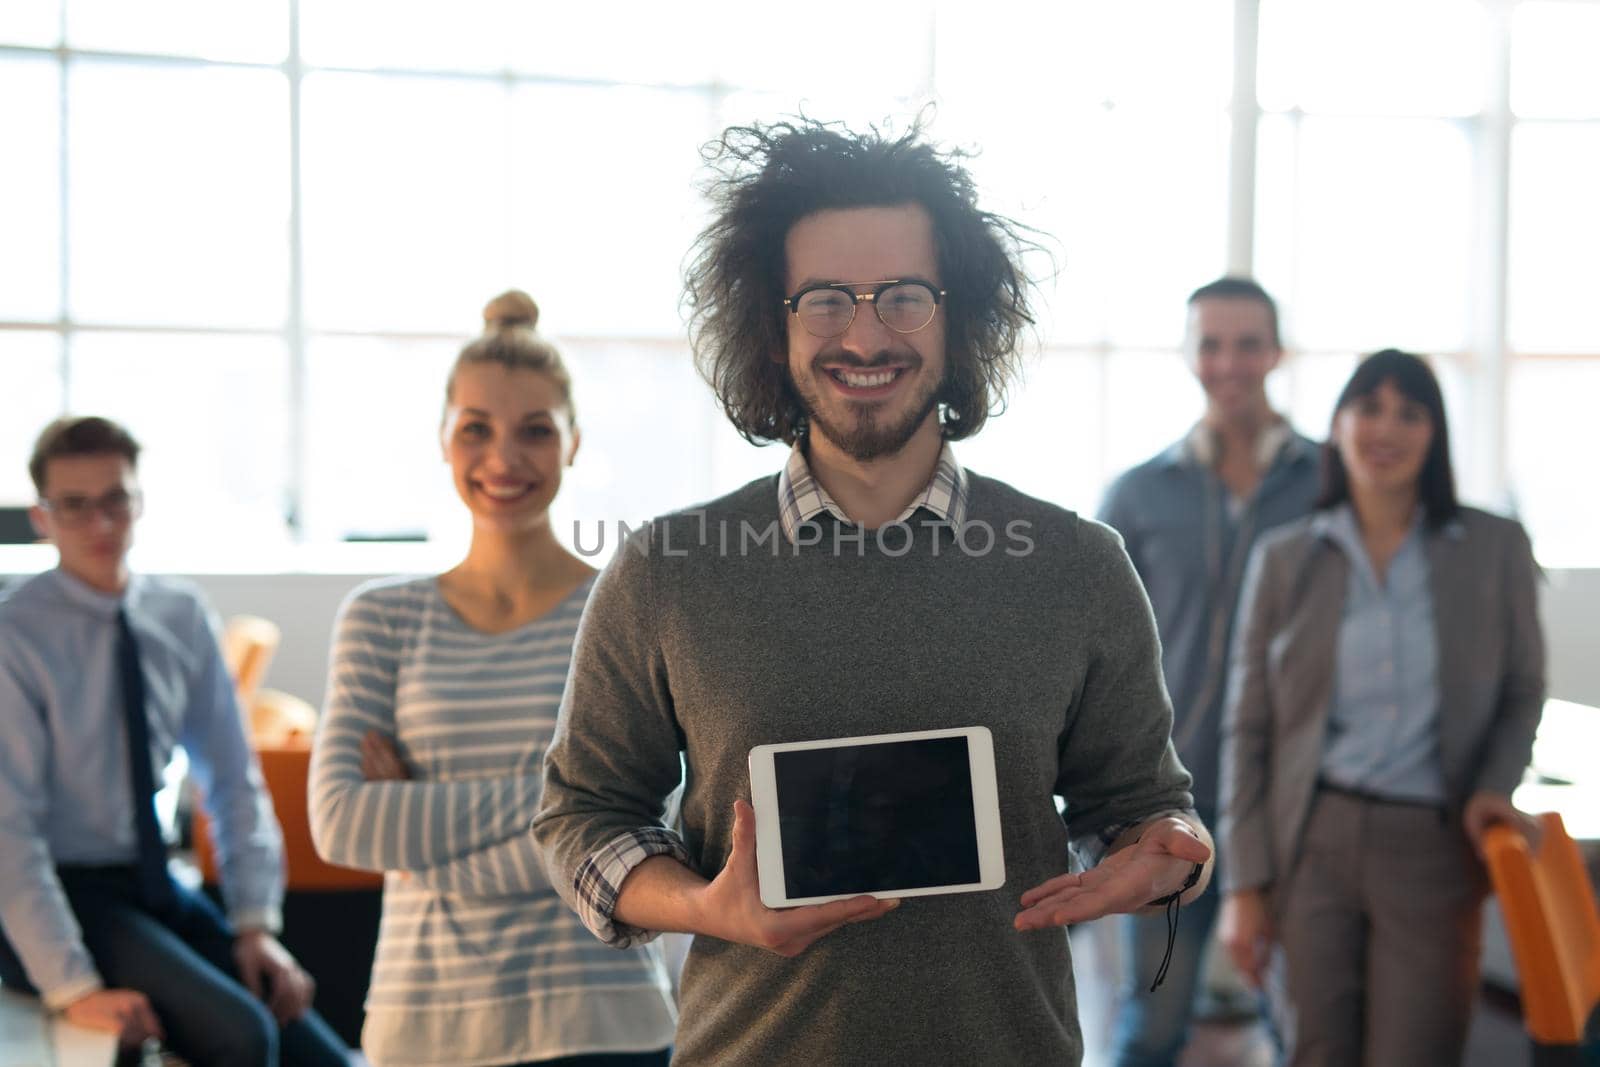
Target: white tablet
893,815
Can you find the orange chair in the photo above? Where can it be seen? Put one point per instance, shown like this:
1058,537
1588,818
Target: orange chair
248,644
280,729
1554,927
279,720
286,770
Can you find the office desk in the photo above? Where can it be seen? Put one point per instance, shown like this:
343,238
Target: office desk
1565,775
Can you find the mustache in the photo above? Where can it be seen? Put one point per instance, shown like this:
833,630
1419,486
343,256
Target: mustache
880,359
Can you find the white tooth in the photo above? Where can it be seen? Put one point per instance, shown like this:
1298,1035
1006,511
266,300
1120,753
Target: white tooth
867,381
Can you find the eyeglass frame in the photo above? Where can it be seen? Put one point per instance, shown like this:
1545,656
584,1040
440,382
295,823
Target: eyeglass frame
131,506
881,286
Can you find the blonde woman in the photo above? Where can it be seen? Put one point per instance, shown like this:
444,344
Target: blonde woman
427,764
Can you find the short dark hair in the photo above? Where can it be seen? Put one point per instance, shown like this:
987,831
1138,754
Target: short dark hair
769,177
1233,287
1409,373
87,435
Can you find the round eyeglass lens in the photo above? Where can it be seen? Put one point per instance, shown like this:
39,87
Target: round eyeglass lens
906,308
826,312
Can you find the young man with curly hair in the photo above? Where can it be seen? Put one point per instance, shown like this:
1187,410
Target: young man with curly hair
852,300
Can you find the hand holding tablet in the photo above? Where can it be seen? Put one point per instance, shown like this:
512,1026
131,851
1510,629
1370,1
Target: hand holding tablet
731,907
894,815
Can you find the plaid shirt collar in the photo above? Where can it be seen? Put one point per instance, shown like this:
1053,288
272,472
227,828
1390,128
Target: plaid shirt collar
801,497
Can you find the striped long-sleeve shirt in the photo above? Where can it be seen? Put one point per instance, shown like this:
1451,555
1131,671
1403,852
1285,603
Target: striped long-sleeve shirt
478,960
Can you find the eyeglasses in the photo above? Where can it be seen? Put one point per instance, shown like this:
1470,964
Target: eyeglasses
903,305
74,509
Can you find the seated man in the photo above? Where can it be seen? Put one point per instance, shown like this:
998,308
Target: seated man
102,673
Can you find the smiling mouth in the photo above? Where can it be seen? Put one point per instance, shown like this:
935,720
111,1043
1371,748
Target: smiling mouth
505,494
864,379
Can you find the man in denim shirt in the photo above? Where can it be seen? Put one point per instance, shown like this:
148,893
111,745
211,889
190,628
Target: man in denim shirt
1189,516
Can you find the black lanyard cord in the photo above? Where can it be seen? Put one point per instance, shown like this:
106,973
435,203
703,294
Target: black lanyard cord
1173,902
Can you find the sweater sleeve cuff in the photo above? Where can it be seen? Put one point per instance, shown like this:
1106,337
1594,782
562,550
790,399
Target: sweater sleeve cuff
268,919
63,995
1207,870
1092,848
599,881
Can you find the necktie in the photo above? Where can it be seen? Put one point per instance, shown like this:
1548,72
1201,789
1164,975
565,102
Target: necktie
155,887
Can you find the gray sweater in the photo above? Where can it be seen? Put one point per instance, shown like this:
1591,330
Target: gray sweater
689,647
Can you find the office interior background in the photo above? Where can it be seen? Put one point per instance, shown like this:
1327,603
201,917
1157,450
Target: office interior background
258,232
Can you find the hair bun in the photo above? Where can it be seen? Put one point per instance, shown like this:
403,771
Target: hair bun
510,309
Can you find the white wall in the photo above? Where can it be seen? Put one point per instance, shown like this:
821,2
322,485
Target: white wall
1572,628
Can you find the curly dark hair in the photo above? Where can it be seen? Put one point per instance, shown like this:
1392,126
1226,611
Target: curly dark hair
768,177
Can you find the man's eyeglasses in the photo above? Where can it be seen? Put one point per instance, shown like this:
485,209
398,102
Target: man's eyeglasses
75,509
826,311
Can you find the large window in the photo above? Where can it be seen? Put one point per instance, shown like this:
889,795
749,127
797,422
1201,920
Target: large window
258,232
1554,276
1425,176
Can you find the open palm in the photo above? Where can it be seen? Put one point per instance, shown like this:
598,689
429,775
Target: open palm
1125,881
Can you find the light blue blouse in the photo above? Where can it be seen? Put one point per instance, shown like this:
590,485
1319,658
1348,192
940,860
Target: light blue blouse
1383,735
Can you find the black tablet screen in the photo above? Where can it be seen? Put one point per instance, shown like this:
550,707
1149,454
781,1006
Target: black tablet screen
870,818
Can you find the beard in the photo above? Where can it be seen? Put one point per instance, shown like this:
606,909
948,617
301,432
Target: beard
865,431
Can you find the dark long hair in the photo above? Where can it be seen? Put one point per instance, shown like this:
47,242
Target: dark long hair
768,177
1436,485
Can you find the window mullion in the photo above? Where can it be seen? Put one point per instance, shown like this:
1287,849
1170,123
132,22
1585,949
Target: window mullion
295,326
1486,466
1245,115
63,159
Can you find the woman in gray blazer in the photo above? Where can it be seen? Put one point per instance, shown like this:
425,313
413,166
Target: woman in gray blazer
1386,682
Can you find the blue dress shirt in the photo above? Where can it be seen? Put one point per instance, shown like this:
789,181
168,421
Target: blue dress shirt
64,771
1189,540
1383,726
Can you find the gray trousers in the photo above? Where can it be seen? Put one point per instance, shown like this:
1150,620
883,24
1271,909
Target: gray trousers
1380,928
